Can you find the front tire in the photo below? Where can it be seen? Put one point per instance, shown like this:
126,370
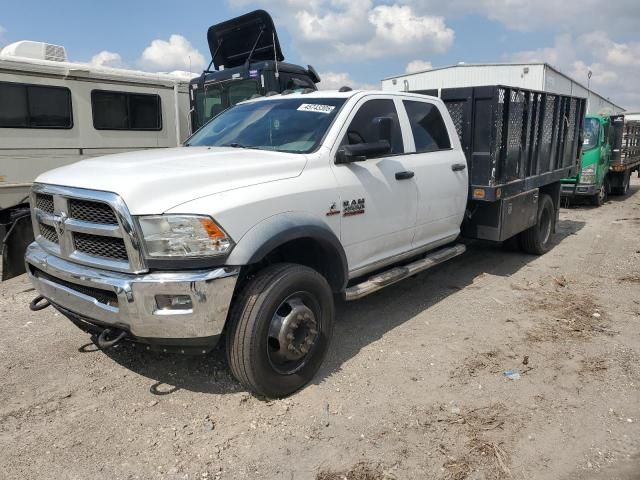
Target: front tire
280,328
537,239
600,198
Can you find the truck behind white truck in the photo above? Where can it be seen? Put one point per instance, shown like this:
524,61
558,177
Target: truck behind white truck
279,203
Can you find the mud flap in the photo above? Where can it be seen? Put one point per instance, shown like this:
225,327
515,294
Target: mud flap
16,234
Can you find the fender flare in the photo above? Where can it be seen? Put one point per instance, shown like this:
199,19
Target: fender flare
279,229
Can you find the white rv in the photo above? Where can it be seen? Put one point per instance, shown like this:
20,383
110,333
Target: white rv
53,113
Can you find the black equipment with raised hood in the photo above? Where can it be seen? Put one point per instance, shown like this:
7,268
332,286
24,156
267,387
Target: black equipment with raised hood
248,61
248,38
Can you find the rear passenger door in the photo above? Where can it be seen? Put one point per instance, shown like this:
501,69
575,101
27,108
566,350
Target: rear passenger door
440,171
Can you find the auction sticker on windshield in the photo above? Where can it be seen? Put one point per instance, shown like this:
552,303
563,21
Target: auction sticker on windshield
312,107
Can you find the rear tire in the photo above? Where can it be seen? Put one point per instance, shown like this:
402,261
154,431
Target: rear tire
280,327
624,188
537,239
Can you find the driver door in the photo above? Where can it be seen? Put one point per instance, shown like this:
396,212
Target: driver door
378,195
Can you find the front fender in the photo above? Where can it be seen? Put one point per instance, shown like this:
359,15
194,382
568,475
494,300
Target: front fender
280,229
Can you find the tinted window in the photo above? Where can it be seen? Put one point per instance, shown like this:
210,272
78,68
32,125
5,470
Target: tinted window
298,83
363,128
427,125
34,106
125,111
241,90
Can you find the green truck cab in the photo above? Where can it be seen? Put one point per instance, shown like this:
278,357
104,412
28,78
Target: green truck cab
592,181
610,153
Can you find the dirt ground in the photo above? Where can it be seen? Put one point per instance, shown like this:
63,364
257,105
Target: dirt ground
414,386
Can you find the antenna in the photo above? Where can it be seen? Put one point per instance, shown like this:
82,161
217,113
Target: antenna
275,53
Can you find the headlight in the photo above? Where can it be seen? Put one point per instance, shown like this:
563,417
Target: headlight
588,174
183,236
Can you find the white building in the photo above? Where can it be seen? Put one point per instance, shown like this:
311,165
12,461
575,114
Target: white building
532,76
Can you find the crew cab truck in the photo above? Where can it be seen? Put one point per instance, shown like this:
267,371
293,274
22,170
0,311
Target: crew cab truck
280,203
248,61
610,153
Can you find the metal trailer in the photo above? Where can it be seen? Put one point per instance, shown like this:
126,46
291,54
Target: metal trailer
625,157
518,143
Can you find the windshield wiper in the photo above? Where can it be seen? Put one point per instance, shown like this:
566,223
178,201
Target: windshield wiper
235,145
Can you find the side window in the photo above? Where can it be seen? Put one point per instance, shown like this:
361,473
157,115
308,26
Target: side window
34,106
363,128
428,128
125,111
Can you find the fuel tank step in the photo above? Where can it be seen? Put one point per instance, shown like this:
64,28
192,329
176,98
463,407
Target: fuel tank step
395,274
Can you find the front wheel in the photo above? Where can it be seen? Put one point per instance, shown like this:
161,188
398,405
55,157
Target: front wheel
537,239
280,329
600,198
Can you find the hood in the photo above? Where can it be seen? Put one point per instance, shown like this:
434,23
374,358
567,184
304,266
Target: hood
154,181
248,37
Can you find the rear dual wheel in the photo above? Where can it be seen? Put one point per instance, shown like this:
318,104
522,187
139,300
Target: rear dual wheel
280,328
537,239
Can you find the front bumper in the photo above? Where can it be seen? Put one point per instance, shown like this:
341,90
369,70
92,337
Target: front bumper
128,302
578,190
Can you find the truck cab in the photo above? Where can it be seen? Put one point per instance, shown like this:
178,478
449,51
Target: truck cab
248,61
592,181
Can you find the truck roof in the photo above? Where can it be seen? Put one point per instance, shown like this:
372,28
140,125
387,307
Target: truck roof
318,94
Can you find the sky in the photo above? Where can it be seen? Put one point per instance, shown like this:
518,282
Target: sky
353,42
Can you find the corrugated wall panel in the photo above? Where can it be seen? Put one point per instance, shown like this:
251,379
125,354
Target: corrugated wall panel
532,76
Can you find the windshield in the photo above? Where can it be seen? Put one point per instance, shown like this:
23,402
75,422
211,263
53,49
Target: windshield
217,97
591,133
288,125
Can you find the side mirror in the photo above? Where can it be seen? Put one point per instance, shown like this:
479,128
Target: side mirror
361,151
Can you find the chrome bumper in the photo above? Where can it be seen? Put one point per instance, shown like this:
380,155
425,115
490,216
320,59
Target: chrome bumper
79,289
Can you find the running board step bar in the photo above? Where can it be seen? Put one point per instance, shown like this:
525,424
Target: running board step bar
395,274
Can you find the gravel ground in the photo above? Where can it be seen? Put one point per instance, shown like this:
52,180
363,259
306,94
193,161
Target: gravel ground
414,385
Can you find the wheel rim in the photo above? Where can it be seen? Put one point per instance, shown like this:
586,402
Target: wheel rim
545,226
602,193
293,333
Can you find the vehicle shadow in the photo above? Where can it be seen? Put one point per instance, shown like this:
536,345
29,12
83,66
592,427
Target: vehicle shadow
358,324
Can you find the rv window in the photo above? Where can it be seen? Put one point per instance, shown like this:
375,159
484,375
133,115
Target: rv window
125,111
34,106
429,132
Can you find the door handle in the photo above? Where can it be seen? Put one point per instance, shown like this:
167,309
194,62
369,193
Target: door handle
456,167
404,175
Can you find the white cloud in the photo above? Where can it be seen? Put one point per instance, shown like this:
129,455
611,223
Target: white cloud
418,66
107,59
356,30
614,65
527,15
335,80
176,54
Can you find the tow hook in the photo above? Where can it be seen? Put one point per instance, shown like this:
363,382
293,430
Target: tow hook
38,304
103,340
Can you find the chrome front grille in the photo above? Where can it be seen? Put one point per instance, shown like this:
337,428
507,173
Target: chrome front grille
92,212
98,246
44,203
87,227
49,233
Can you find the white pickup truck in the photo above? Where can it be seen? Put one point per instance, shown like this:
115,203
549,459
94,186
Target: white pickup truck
250,229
